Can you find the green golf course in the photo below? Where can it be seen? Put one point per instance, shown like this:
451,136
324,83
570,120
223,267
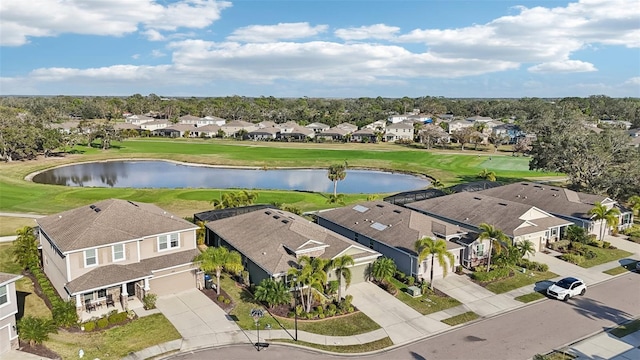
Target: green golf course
450,167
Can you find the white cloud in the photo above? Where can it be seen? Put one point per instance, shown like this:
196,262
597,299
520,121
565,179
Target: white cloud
135,56
157,53
282,31
377,31
35,18
566,66
635,81
153,35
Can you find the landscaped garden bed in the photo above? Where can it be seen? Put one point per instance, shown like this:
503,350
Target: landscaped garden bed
429,302
585,250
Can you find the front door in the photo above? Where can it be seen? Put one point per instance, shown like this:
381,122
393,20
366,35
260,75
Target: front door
131,289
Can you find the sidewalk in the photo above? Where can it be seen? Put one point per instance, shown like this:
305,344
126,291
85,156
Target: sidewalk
607,346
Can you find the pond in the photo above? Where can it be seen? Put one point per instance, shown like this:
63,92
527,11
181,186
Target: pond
166,174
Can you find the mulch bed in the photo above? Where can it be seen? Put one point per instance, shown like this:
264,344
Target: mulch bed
213,295
39,350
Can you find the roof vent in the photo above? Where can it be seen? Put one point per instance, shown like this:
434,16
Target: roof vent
268,212
92,206
276,217
285,221
397,211
477,198
379,205
503,204
96,209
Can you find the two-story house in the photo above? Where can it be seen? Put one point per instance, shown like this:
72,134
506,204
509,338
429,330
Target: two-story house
8,311
402,131
117,250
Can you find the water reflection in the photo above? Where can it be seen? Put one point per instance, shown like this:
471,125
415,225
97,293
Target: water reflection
164,174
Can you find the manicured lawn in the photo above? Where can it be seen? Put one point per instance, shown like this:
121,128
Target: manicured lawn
9,224
427,303
19,195
345,349
346,325
519,280
526,298
626,329
114,343
621,269
604,256
461,319
556,355
28,302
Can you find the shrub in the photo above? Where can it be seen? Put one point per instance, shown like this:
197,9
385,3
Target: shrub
320,309
400,276
291,314
102,323
606,244
331,312
89,325
573,258
332,307
220,298
321,316
590,254
308,316
390,288
117,318
486,276
35,330
560,245
64,313
149,301
333,287
596,243
351,309
227,301
411,280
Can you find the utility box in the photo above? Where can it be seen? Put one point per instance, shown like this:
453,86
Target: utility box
414,291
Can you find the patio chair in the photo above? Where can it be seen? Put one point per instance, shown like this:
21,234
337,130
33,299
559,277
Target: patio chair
89,306
109,300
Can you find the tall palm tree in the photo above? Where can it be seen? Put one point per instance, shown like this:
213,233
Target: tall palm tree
634,202
495,236
526,248
487,175
218,259
606,216
341,267
272,292
311,274
337,172
383,268
437,249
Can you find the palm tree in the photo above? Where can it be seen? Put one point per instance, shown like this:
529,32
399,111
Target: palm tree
606,216
25,249
487,175
337,172
341,266
219,258
200,232
383,268
526,248
494,235
634,202
311,274
437,184
272,292
436,248
335,199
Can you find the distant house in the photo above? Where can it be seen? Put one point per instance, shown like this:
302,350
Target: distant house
479,119
518,221
267,133
459,124
138,119
333,134
512,131
190,120
127,126
635,137
207,131
271,241
399,131
119,249
177,130
232,128
291,131
155,125
318,127
8,311
67,127
561,202
364,135
392,231
212,120
348,127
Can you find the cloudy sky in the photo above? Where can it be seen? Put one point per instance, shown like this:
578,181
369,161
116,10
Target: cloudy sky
330,48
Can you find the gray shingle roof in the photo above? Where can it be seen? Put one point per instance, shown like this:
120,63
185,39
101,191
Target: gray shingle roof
401,226
7,278
265,235
117,220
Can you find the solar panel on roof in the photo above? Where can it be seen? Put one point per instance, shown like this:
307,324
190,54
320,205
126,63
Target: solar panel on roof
378,226
360,208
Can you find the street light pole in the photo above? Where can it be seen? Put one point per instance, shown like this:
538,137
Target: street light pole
256,314
295,311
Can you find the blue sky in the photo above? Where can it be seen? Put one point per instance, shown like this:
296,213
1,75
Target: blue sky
331,48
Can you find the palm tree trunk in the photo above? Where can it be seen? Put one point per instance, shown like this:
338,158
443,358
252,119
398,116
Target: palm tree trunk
489,258
335,188
431,275
218,272
339,284
309,297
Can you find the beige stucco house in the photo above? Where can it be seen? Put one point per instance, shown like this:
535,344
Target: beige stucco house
117,249
8,311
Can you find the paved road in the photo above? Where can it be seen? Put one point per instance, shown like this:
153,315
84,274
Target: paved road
519,334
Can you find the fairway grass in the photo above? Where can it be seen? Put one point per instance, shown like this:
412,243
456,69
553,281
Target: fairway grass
19,195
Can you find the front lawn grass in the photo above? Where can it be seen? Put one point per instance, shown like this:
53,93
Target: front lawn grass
114,343
604,256
519,280
527,298
621,269
428,303
461,319
626,329
345,325
345,349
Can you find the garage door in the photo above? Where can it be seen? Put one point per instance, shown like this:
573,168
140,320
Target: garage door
174,283
5,344
359,273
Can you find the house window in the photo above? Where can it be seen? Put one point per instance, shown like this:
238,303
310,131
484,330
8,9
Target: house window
554,231
166,242
90,258
102,293
480,250
118,252
4,297
88,296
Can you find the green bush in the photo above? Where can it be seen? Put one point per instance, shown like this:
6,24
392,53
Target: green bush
35,330
573,258
411,280
596,243
590,254
560,245
400,276
89,325
220,298
117,318
227,301
331,312
64,313
496,274
320,309
102,323
351,309
291,314
321,316
606,245
532,265
149,301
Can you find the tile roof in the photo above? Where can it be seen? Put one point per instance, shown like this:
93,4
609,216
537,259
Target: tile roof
267,237
390,224
114,274
116,220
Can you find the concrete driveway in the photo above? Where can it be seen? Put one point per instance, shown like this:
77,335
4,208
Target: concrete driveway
476,298
199,320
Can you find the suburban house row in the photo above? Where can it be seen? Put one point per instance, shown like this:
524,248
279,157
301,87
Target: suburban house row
121,250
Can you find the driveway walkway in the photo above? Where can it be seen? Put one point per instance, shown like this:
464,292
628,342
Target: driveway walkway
199,320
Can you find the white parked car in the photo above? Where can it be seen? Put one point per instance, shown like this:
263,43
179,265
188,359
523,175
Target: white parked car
567,288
